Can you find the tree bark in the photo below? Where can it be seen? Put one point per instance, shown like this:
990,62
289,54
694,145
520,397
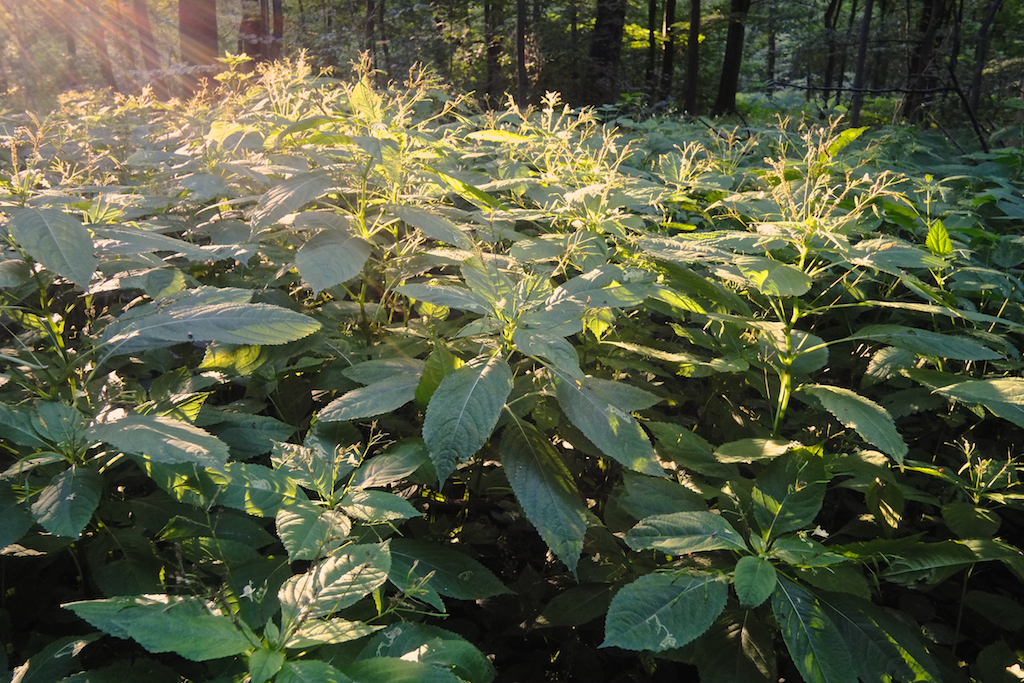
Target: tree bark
730,79
606,50
862,53
252,32
932,15
981,53
493,46
72,77
278,43
522,81
198,39
831,21
668,54
691,89
652,47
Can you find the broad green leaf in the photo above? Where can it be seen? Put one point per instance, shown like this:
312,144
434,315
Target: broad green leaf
546,490
881,647
689,450
577,605
773,278
738,648
54,661
394,670
679,533
815,645
552,348
938,241
645,496
373,371
263,664
752,450
253,488
163,440
867,418
56,240
487,281
788,493
377,507
327,631
289,196
1002,390
928,563
491,135
926,342
608,285
14,273
310,671
464,410
375,399
439,363
60,423
967,520
26,465
658,612
625,396
614,431
433,226
689,365
798,550
754,579
334,584
1001,610
315,469
66,505
471,194
331,258
445,295
840,142
448,572
15,519
431,645
308,531
16,426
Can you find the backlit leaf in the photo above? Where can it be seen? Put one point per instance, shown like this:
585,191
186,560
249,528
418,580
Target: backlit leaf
163,439
66,505
288,196
867,418
56,240
815,644
330,258
679,533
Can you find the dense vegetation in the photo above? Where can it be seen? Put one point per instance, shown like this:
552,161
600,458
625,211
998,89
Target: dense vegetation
309,380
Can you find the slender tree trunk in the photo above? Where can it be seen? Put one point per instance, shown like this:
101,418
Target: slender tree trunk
692,88
198,38
862,53
492,39
730,79
652,46
278,42
841,74
769,68
522,81
384,45
981,53
606,50
98,37
73,79
831,20
147,47
932,15
252,32
668,54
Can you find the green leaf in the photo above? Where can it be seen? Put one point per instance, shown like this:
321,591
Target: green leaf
938,241
658,612
431,645
56,240
375,399
685,532
487,281
308,532
867,418
464,410
330,258
1002,390
646,496
738,648
1001,610
377,507
926,342
546,490
264,664
752,450
788,493
928,563
689,450
334,584
969,521
66,505
577,605
16,426
439,363
433,226
288,197
256,489
840,142
163,440
310,671
54,661
15,519
815,644
773,278
450,572
391,466
754,579
444,295
552,348
329,631
491,135
615,432
881,647
393,670
471,194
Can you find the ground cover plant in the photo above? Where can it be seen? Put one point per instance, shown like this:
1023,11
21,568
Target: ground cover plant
312,380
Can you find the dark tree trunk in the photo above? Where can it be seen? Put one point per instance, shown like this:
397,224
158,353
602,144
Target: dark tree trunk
981,53
769,67
841,74
862,53
98,37
606,50
668,55
383,30
831,20
880,62
521,76
198,39
278,42
932,15
73,79
652,46
493,43
692,87
730,80
253,33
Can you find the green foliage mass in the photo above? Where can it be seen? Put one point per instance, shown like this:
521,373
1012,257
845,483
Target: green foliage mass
313,380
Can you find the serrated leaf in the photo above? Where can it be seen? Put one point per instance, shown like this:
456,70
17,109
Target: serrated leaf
679,533
546,490
451,573
577,605
660,611
16,426
377,507
966,520
391,466
927,343
645,496
263,664
788,493
689,450
554,349
55,660
615,432
431,645
394,670
56,240
440,362
1002,390
487,281
738,648
752,450
754,579
375,399
444,295
815,644
310,671
308,531
330,258
867,418
938,241
328,631
336,583
163,440
15,519
66,505
255,489
433,226
464,410
289,196
773,278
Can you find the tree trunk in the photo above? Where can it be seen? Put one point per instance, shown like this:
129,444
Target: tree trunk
981,53
606,50
668,55
841,74
521,76
730,80
278,42
198,39
932,15
831,21
652,47
493,46
73,79
692,87
769,67
382,29
98,37
252,31
862,53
